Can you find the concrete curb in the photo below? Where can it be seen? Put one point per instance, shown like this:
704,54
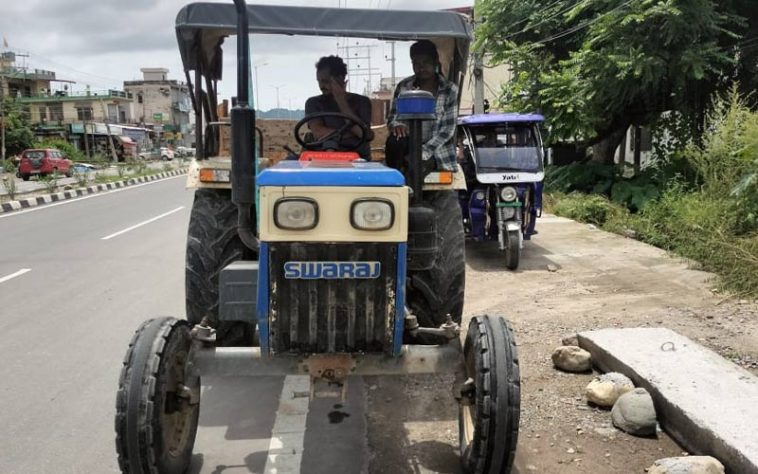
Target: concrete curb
702,400
20,204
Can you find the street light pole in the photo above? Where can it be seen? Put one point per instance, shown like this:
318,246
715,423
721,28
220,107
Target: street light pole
277,95
257,85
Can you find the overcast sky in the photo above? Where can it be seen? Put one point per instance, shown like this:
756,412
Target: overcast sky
105,42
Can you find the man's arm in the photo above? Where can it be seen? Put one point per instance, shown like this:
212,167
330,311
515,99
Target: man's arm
316,125
444,128
396,127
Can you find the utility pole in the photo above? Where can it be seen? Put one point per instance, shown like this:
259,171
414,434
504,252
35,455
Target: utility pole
351,71
392,60
2,121
478,75
110,137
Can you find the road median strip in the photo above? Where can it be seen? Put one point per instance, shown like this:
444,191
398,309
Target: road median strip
26,203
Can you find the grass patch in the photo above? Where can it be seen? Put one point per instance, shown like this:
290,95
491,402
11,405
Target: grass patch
711,217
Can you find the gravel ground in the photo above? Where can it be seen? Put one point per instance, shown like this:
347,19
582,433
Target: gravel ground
596,280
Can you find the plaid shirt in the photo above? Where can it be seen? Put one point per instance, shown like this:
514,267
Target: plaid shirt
438,135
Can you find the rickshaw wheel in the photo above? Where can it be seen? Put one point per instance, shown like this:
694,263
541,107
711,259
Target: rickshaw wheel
156,417
488,416
512,250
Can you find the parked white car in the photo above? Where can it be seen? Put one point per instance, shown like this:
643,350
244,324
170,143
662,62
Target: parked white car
162,153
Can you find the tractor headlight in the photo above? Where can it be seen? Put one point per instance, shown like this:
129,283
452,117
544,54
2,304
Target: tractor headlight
296,213
508,194
372,214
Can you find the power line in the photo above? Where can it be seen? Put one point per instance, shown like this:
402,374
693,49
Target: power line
561,12
580,26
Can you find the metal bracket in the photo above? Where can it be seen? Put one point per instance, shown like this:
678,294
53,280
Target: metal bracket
332,369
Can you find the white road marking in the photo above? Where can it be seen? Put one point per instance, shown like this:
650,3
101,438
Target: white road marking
89,196
142,223
285,451
14,275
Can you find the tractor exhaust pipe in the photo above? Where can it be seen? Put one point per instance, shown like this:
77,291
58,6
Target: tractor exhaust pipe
243,137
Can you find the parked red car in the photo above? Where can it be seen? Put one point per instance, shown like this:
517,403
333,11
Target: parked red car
43,161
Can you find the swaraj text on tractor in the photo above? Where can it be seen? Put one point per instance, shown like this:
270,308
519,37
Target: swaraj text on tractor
322,268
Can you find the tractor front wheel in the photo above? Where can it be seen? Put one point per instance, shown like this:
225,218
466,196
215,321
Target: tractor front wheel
490,404
157,405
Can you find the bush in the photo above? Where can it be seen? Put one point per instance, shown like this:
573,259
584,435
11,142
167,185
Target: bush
71,152
593,209
9,183
51,182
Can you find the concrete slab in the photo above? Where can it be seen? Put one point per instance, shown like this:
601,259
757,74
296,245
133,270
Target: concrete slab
708,404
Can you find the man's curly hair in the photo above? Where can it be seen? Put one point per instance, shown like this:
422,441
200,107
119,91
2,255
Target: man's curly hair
334,64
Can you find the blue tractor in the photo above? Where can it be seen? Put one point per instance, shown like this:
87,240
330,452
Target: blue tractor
320,267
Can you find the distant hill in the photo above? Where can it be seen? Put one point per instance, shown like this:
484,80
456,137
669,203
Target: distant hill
282,114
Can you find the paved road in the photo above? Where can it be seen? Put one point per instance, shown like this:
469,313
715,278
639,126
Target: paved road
76,279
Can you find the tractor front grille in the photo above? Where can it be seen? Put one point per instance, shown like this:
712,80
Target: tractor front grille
332,315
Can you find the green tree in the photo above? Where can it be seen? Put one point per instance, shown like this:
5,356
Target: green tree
595,67
18,133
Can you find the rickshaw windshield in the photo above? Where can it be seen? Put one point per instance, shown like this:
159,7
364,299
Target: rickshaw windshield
508,147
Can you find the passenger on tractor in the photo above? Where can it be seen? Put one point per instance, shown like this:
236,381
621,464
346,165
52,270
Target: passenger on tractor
438,149
331,73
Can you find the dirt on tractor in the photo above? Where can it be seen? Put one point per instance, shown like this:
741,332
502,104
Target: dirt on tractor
572,278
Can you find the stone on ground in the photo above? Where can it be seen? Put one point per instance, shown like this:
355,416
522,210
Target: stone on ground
687,465
572,359
702,400
605,389
634,413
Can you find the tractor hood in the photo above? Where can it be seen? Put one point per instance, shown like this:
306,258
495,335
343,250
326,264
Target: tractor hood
312,173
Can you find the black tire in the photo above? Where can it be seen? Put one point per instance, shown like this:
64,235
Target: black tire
212,244
25,177
155,426
434,293
512,249
489,412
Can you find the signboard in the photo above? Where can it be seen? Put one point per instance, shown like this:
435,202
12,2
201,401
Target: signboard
158,117
77,128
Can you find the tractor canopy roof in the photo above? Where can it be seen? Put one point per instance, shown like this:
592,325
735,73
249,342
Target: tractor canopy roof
499,118
202,27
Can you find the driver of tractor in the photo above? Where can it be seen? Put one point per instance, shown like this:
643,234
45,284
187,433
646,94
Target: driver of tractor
438,136
331,72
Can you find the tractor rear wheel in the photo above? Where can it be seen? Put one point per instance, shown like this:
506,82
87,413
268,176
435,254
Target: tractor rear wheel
437,292
158,401
212,244
490,404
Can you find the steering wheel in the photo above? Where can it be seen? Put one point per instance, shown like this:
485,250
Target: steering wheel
334,139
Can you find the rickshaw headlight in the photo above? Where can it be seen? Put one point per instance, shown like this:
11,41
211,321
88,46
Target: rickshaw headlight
508,194
372,214
296,213
479,195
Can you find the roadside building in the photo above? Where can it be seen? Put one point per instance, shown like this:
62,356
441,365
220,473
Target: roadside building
163,105
83,117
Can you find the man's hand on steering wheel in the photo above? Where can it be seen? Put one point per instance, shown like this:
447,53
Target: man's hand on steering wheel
337,135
